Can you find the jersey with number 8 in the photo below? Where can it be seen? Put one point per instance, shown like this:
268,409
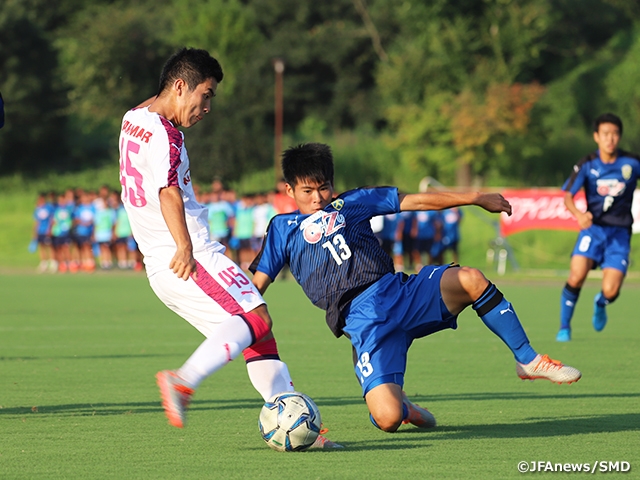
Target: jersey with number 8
153,156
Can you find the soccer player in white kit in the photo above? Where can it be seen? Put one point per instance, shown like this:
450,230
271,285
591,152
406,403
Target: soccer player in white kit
186,269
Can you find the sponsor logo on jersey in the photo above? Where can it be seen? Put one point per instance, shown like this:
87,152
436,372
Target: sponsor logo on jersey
610,187
338,204
187,178
325,225
594,172
626,171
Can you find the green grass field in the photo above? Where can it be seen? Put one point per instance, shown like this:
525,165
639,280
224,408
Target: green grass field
78,356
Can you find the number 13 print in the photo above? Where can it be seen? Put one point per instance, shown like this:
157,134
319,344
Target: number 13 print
342,253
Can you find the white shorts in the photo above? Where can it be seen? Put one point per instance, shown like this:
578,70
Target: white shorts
221,290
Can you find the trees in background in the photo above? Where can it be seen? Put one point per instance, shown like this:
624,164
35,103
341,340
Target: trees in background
485,91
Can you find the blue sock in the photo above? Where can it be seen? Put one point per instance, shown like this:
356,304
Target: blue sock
603,301
568,300
405,414
498,314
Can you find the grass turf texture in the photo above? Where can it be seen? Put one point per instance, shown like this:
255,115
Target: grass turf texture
78,356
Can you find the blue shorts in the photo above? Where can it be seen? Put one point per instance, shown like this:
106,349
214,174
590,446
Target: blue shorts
607,246
82,240
60,240
424,245
383,321
44,239
132,246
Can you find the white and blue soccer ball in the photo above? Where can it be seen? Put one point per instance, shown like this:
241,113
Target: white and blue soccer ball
289,422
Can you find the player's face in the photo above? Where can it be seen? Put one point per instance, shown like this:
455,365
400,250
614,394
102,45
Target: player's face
310,196
607,137
194,104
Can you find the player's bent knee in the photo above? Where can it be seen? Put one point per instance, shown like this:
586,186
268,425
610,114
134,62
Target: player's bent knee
260,325
387,423
473,281
611,293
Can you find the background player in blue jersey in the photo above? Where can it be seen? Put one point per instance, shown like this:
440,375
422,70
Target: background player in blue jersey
334,255
609,177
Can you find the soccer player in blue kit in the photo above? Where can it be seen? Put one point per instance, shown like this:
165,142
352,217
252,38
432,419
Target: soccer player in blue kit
334,255
609,177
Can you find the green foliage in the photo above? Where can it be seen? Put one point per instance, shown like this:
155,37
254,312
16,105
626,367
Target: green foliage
34,98
409,72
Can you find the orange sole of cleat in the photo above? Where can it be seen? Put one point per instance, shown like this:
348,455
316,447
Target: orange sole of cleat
174,418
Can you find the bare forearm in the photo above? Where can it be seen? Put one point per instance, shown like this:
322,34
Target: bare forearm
261,281
492,202
172,208
182,264
584,218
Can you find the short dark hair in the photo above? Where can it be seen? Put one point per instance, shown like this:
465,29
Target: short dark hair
193,65
607,118
308,161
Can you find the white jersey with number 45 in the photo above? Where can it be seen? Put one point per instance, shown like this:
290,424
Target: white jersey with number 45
153,156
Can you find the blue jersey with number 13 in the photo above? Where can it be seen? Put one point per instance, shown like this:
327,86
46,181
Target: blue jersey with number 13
333,251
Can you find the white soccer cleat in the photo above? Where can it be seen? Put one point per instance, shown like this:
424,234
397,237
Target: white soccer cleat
324,442
546,368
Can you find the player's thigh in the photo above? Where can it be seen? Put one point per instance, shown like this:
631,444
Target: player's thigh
612,279
380,346
591,243
579,269
220,291
618,247
385,403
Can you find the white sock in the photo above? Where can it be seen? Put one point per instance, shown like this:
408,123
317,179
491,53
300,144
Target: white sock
270,377
225,343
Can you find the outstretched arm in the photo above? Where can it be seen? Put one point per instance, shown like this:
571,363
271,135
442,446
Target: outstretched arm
491,202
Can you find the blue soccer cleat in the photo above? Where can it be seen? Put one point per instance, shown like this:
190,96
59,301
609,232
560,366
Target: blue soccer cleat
599,319
564,335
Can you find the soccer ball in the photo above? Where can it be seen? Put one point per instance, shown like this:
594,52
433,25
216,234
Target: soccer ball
289,422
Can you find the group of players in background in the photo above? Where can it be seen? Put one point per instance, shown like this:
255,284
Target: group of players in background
81,230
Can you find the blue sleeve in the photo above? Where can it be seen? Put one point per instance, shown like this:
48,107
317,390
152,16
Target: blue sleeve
273,255
378,200
576,180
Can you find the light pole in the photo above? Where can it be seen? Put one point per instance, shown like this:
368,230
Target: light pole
278,67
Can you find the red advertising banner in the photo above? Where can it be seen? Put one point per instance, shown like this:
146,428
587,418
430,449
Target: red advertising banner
539,210
543,209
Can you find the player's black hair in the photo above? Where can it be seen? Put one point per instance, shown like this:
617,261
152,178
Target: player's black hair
192,65
308,161
607,118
